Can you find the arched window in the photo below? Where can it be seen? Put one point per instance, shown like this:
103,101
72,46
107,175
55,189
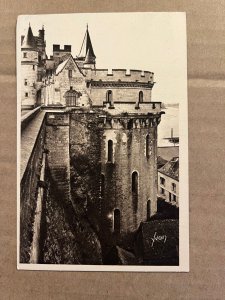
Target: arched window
148,210
140,97
116,219
135,190
147,146
109,97
102,186
71,97
110,151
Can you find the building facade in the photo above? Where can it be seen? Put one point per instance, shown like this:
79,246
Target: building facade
168,181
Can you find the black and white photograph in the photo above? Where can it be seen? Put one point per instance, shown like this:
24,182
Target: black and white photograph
102,142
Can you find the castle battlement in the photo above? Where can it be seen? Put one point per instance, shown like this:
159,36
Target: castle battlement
57,48
119,75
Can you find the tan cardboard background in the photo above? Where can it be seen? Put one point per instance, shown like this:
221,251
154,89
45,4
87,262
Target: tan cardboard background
206,73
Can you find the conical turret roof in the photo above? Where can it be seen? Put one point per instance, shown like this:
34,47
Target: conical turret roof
89,59
28,41
86,50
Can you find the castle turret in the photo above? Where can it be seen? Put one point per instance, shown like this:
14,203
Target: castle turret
128,169
29,65
28,40
86,57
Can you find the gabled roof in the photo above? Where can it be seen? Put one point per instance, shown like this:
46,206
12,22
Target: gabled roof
171,168
62,65
86,50
161,162
28,41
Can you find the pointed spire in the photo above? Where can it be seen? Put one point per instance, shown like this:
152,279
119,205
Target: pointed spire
28,41
86,50
89,45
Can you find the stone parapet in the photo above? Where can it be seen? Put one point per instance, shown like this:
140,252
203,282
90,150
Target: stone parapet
119,74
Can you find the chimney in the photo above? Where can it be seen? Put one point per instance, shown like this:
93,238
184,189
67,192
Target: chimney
42,33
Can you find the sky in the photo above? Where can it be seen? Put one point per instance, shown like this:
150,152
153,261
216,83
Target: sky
153,42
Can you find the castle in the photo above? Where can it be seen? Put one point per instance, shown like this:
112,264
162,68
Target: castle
67,81
100,124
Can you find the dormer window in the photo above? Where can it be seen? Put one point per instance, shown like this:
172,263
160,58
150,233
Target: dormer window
70,73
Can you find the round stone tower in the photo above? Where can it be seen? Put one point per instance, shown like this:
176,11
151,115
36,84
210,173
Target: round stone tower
29,65
128,172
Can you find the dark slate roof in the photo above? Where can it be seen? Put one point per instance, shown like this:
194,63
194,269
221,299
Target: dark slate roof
86,50
89,58
29,40
89,45
161,162
171,168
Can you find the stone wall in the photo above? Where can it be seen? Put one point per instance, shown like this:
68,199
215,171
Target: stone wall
68,236
28,196
58,158
98,95
129,155
31,56
30,75
85,155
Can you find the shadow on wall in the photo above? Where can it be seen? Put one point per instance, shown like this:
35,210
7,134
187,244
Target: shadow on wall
165,210
67,238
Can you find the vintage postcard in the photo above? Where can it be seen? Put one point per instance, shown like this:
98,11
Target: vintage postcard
102,181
